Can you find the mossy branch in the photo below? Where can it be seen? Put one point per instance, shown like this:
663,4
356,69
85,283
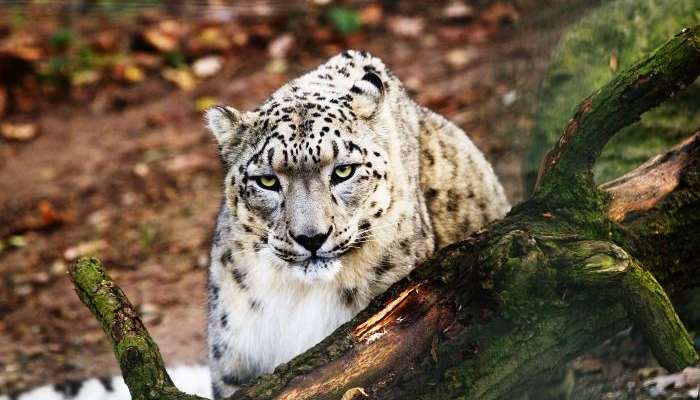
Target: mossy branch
619,103
138,355
484,316
611,271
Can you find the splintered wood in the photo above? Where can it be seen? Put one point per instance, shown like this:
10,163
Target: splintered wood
385,317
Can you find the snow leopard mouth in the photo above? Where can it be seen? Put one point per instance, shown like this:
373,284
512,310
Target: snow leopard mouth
316,268
314,262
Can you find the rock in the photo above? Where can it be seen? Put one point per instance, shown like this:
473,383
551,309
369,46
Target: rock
207,66
18,131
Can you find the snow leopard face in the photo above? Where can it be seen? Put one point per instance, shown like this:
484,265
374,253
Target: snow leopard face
307,174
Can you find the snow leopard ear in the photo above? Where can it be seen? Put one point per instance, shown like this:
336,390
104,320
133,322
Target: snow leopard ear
368,94
224,123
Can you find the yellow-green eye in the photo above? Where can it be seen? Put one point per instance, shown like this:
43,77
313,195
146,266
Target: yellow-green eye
268,182
342,172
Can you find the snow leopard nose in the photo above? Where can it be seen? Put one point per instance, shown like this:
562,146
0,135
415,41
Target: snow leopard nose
311,243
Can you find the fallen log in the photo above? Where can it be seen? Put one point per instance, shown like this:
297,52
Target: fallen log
562,272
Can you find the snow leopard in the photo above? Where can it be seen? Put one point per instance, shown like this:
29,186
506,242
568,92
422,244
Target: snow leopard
336,187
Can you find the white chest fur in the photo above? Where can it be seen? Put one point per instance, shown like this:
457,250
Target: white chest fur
276,317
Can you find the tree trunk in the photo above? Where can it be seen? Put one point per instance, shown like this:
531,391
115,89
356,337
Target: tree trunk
561,273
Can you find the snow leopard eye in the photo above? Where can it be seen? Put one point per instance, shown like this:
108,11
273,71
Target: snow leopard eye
269,182
342,173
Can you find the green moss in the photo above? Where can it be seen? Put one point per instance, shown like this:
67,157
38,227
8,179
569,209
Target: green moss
625,30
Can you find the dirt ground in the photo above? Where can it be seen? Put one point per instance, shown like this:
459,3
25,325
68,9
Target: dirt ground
126,171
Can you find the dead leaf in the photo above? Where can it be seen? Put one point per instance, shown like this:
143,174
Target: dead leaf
658,386
460,58
3,100
188,162
133,74
614,63
204,103
106,41
406,26
371,14
22,47
164,36
146,60
181,77
649,372
86,77
457,10
18,132
500,12
83,249
354,394
276,66
587,365
207,66
47,212
151,313
156,119
280,46
211,39
476,32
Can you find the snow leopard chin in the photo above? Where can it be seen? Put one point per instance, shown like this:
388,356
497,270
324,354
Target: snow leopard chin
316,269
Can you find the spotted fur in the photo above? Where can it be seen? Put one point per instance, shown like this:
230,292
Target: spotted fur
293,260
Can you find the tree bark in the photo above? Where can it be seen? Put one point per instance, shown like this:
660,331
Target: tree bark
561,273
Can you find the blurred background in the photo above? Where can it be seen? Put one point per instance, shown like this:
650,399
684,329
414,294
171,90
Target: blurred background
103,149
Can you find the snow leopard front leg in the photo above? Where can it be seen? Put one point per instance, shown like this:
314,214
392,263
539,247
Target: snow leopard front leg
228,369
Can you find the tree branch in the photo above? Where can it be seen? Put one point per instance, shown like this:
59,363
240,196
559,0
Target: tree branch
485,315
138,355
619,103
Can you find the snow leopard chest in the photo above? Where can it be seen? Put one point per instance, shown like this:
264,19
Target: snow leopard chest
275,318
